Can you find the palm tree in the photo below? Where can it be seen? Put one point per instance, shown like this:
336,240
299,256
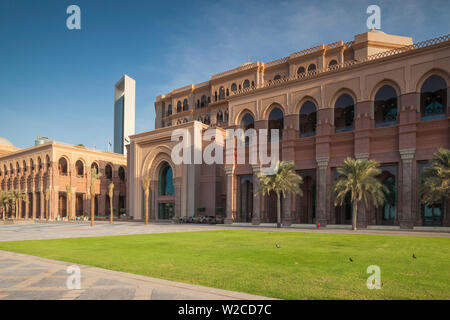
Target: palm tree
283,181
358,178
4,202
47,198
146,186
69,202
435,188
94,176
17,196
111,195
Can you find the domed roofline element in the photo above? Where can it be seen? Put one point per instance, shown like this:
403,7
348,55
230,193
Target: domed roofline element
5,142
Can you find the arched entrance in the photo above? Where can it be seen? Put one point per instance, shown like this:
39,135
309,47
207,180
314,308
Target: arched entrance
166,192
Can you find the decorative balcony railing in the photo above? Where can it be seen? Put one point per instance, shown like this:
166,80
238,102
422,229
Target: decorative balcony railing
310,74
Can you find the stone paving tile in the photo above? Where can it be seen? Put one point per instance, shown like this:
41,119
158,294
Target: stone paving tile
23,272
5,265
108,294
34,265
109,282
163,294
35,295
7,283
51,282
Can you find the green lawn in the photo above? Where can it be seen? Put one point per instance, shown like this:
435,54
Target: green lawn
307,266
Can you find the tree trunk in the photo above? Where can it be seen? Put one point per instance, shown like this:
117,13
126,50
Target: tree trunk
111,210
354,215
278,211
92,207
68,209
146,206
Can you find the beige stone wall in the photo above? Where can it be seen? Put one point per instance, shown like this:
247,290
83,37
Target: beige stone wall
36,169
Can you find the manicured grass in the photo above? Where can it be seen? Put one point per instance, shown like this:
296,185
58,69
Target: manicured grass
307,266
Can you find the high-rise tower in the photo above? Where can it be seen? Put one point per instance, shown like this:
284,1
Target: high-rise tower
124,101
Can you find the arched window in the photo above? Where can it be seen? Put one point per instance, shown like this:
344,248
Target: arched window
47,160
228,92
24,165
233,87
253,84
300,70
79,167
62,166
246,84
203,101
276,121
247,122
17,167
277,77
11,168
179,106
221,93
39,164
31,165
344,111
385,105
94,166
433,98
108,172
308,119
311,67
185,105
165,185
169,110
332,63
219,117
121,174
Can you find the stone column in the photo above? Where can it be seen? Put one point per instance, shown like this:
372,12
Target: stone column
33,208
116,203
231,195
322,164
54,204
256,219
73,203
27,207
406,218
101,204
153,204
178,212
42,202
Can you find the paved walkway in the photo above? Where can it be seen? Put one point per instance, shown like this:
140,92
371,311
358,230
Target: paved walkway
56,230
24,277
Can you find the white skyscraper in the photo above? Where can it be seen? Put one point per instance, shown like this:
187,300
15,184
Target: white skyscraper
124,102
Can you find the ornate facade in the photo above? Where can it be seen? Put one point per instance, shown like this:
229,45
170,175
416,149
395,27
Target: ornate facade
377,97
55,166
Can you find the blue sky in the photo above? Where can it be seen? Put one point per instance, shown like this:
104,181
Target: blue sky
59,83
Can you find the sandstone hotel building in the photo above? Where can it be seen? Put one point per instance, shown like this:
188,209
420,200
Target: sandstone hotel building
378,97
54,166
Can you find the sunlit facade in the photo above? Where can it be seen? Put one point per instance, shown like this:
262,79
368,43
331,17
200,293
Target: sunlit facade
377,97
